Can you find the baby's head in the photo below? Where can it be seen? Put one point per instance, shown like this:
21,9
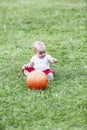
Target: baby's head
39,49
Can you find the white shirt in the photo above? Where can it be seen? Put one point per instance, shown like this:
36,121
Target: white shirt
41,63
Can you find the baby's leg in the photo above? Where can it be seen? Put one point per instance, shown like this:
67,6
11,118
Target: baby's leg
49,74
26,70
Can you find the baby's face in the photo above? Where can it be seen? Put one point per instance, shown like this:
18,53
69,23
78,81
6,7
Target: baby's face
41,53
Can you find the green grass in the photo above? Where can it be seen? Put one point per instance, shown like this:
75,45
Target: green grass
61,25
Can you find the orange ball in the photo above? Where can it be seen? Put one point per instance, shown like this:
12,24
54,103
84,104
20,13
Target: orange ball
37,80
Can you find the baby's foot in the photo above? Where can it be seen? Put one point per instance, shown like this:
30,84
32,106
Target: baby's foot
50,76
26,73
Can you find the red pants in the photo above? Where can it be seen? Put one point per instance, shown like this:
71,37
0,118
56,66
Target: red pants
47,71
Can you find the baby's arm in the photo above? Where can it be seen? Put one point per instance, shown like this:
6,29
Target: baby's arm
53,60
30,64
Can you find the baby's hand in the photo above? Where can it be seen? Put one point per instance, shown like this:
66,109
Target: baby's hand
53,60
29,65
25,66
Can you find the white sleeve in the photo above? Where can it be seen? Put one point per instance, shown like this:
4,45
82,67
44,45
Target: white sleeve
49,57
32,59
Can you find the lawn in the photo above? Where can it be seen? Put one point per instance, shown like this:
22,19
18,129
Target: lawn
61,25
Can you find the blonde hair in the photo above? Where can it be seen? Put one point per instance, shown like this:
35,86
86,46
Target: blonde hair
38,45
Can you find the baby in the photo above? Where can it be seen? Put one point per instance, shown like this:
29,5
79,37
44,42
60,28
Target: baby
40,61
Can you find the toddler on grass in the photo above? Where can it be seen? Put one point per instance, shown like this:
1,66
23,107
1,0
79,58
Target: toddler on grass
40,61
